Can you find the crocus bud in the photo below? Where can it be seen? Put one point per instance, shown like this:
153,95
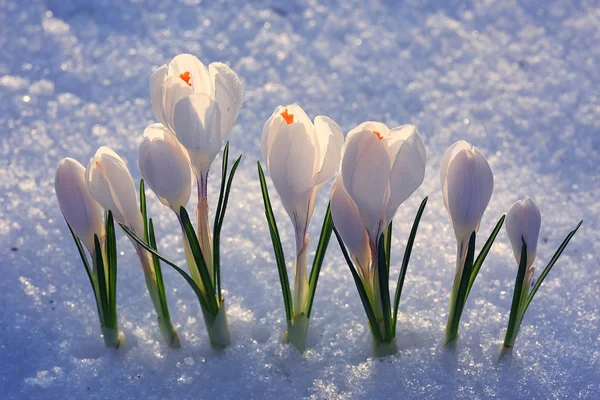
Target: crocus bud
165,167
82,212
467,185
197,104
111,184
381,168
301,157
523,222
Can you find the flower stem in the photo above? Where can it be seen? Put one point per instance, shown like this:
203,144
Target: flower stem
112,337
384,348
300,279
204,232
297,332
217,327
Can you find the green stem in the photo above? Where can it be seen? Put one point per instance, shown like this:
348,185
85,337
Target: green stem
217,327
519,295
297,332
300,279
204,235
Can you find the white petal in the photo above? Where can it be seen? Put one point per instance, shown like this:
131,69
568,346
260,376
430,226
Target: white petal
349,224
78,206
111,184
165,167
330,140
372,126
200,78
157,93
469,184
365,172
291,152
408,170
173,91
198,123
229,94
523,220
271,129
448,156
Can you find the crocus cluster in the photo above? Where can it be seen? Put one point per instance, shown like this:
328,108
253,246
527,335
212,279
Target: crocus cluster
375,169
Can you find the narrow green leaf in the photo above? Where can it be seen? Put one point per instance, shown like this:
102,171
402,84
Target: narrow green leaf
190,281
143,209
405,260
217,222
484,252
111,260
277,248
86,264
217,235
384,288
364,297
514,320
160,284
324,238
192,239
102,281
553,261
388,245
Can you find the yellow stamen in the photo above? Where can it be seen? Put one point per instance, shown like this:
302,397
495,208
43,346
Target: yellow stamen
186,78
289,118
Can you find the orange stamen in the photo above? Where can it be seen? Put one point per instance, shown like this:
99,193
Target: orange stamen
289,118
378,135
186,78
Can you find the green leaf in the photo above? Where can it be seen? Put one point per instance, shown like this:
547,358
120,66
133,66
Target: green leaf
364,297
553,261
217,232
384,287
388,245
217,222
101,282
86,264
160,284
143,209
324,238
192,239
514,320
111,260
190,281
484,252
278,250
405,260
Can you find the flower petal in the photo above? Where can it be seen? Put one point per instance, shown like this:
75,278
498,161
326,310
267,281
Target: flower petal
448,156
408,169
198,123
365,172
349,224
274,125
200,79
111,184
330,140
229,94
78,206
157,93
523,220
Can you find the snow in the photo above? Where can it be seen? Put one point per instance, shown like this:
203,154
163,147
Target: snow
517,79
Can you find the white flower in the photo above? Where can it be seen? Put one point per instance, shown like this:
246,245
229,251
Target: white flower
165,167
198,104
467,185
523,222
111,184
301,157
381,168
78,206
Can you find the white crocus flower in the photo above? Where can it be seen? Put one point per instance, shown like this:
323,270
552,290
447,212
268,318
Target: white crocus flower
110,183
381,168
523,222
165,167
467,185
301,157
82,212
199,106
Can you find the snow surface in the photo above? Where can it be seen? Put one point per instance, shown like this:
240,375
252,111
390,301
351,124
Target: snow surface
517,79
